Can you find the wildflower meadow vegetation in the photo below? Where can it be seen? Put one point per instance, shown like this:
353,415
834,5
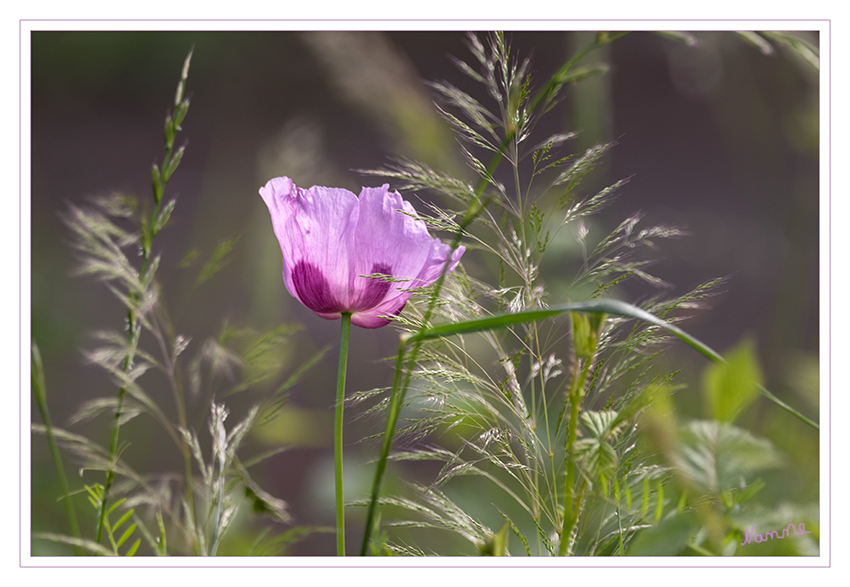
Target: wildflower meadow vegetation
463,339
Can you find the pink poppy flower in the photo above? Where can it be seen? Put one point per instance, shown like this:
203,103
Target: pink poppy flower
332,241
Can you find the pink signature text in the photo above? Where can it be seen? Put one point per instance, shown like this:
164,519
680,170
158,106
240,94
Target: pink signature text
752,536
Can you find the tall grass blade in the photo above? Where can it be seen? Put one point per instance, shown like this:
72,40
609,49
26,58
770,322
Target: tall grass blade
40,391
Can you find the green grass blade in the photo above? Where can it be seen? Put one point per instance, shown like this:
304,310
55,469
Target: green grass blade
786,407
610,307
40,391
162,545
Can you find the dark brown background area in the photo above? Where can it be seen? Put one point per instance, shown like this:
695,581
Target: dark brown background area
716,138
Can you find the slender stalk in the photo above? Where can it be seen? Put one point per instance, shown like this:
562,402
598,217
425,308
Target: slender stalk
571,505
392,418
340,398
573,519
149,230
132,339
133,332
40,391
219,498
179,400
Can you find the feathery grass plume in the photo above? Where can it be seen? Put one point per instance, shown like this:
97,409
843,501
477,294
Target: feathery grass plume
459,392
542,426
101,242
184,512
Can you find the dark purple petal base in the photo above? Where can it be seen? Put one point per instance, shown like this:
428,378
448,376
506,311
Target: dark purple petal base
375,290
313,289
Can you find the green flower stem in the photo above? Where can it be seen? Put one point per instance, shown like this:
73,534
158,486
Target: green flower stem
340,398
40,391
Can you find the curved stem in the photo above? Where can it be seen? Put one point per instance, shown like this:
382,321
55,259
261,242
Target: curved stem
340,398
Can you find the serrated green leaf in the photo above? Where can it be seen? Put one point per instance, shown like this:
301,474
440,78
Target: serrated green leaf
716,456
598,457
600,424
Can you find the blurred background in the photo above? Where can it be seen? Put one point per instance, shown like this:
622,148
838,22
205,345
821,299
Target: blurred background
717,138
